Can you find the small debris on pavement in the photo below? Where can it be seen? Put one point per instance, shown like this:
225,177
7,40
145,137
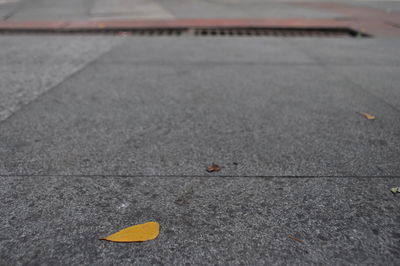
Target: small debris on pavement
235,163
213,168
368,116
136,233
395,190
295,239
124,33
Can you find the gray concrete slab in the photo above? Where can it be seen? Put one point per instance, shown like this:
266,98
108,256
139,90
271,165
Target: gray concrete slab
129,9
31,65
167,50
7,7
51,10
205,220
387,6
123,9
380,81
346,52
165,9
223,9
174,116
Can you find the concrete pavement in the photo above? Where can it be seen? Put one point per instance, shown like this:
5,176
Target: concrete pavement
127,139
48,10
151,9
169,107
30,70
99,133
204,221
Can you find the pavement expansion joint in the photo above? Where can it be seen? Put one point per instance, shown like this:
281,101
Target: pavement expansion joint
197,176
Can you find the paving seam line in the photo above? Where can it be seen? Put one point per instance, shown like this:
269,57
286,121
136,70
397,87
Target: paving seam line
199,176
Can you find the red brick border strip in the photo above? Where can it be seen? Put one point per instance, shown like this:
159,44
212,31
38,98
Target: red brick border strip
170,23
288,23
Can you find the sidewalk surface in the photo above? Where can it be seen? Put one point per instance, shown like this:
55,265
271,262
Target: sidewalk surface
98,133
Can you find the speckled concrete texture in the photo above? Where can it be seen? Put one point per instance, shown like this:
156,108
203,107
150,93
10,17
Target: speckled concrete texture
123,134
287,115
31,65
205,220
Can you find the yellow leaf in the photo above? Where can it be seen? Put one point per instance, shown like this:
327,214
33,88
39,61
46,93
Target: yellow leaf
136,233
368,116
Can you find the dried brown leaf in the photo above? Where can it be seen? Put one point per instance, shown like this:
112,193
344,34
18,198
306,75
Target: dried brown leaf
213,168
295,239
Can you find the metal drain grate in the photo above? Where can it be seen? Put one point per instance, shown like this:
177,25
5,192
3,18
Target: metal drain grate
229,31
280,32
95,31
